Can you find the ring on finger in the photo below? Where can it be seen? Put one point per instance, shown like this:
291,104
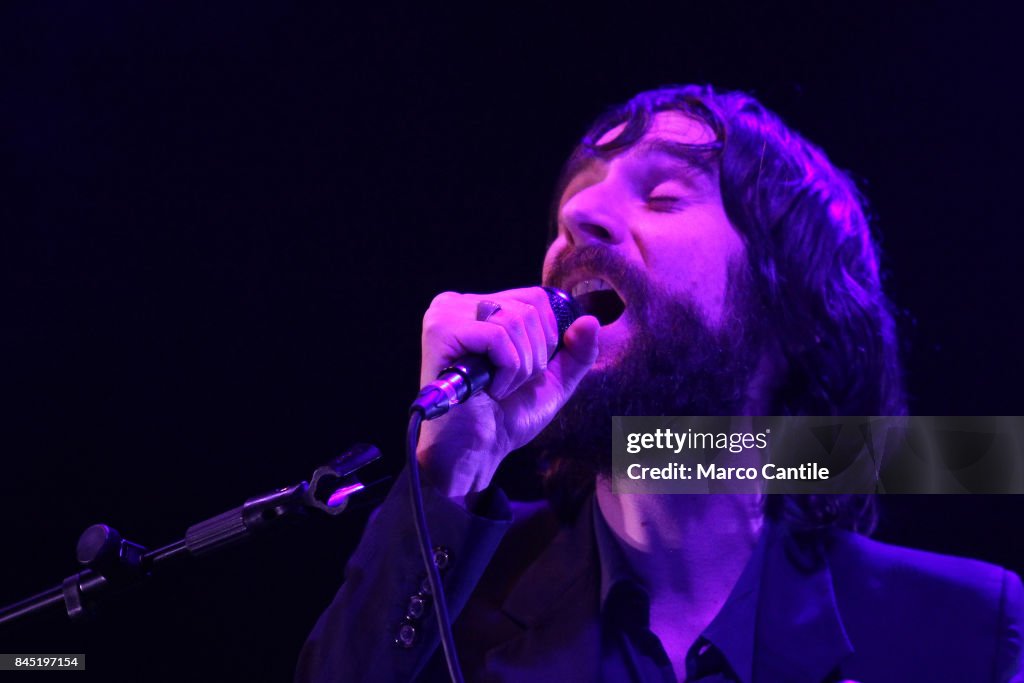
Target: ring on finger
485,309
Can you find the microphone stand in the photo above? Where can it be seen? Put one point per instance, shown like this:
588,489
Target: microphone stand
112,563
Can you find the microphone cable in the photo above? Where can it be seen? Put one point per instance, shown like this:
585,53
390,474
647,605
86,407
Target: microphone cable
444,624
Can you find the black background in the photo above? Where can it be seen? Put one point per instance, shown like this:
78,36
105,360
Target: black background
222,223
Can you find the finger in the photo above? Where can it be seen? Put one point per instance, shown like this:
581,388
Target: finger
538,298
511,319
578,354
534,328
483,338
538,339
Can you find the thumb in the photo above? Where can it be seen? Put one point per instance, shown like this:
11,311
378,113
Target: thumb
579,352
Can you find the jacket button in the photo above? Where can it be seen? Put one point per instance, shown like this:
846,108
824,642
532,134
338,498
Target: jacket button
406,636
441,557
417,607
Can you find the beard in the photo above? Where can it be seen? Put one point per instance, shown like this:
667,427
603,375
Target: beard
675,363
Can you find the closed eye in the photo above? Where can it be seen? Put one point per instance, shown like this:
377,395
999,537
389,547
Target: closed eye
666,196
666,203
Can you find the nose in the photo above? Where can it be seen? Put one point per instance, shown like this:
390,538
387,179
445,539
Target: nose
594,216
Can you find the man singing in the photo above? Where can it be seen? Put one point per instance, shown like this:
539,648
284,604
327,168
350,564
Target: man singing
727,268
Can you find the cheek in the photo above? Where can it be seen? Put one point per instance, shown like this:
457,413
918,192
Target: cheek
695,264
556,248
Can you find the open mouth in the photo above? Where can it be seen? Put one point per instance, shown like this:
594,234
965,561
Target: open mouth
599,299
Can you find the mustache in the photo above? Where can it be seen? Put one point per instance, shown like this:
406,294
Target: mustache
628,279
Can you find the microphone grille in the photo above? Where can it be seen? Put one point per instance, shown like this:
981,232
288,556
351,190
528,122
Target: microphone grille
566,310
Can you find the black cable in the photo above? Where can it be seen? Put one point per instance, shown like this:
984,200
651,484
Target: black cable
427,549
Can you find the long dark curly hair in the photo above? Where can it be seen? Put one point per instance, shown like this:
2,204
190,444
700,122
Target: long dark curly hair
814,262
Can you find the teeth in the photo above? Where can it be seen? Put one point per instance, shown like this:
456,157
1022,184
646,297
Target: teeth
592,285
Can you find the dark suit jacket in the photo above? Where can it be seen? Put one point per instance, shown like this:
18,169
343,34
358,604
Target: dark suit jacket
527,600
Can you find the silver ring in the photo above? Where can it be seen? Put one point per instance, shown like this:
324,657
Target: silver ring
485,309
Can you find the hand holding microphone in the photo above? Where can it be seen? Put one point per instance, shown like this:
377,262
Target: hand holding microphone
504,343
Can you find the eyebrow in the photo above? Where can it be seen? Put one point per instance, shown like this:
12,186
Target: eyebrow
695,157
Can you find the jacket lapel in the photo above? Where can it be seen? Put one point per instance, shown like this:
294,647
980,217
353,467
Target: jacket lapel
556,573
555,602
800,634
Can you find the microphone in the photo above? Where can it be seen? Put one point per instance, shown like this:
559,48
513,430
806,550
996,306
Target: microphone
469,375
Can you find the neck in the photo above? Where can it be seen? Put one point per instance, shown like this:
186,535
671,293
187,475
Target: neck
686,548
